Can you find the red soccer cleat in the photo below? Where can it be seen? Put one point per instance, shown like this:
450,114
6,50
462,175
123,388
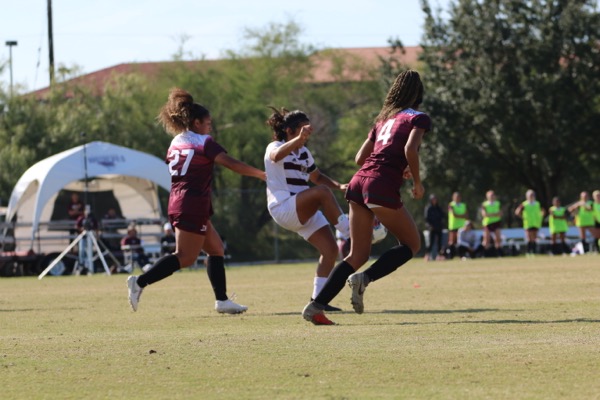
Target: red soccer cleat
321,319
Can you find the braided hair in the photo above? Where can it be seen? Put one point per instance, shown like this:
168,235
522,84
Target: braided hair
180,111
282,119
405,92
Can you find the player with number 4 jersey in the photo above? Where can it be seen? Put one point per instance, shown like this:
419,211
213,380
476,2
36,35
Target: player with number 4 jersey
389,155
387,162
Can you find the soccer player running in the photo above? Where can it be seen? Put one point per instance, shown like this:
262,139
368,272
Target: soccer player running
293,204
374,191
190,158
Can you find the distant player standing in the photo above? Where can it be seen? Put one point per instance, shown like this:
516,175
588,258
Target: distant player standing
583,210
596,206
492,217
374,191
532,214
557,221
191,157
457,216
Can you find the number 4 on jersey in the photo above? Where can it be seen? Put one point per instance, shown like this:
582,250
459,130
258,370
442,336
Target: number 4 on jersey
386,132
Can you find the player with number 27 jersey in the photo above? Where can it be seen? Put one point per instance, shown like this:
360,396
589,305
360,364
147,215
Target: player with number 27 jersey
191,159
387,161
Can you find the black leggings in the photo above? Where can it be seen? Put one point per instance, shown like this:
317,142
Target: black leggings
435,236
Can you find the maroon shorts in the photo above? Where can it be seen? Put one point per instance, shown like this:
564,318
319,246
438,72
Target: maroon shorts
492,227
190,222
190,213
364,190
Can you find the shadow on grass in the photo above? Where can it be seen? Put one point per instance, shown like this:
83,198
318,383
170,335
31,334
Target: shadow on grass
479,310
41,309
528,321
467,311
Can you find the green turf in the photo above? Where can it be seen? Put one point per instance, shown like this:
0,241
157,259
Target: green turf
512,328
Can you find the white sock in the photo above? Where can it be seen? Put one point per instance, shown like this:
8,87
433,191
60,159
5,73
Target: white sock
343,226
319,282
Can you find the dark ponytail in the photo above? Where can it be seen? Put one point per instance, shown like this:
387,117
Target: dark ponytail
282,119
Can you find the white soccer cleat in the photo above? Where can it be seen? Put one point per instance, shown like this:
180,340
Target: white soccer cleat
343,226
358,282
229,307
135,291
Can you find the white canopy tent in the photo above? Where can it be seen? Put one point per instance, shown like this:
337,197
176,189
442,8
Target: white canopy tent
133,176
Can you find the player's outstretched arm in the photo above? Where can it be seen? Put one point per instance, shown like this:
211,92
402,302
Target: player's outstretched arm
239,167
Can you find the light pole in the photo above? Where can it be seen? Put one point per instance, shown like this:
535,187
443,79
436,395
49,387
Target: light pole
10,44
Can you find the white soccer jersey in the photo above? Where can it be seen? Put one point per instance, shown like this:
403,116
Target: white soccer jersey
288,176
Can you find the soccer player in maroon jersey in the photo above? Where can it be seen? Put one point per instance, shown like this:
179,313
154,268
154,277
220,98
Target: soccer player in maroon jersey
190,158
374,191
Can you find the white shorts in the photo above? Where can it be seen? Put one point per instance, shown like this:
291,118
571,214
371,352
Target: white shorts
285,215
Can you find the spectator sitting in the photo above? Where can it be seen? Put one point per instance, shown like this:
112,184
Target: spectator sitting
75,210
76,207
132,244
113,221
167,240
467,242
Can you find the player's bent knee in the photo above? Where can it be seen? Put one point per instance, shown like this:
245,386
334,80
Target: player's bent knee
324,191
186,261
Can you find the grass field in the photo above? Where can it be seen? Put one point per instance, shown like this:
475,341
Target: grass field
511,328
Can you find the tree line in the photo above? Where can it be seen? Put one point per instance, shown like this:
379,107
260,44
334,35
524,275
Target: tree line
511,86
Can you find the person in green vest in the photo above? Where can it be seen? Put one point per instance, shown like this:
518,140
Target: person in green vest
596,197
532,214
583,210
557,219
492,219
457,216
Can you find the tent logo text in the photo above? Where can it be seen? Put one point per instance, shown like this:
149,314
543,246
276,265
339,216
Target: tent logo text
107,161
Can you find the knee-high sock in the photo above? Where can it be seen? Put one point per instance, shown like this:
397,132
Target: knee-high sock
163,268
335,283
215,268
389,262
318,284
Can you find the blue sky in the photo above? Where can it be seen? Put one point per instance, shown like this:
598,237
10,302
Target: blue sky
97,34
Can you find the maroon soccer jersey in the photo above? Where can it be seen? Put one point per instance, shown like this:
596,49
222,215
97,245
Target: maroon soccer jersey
380,178
191,159
388,159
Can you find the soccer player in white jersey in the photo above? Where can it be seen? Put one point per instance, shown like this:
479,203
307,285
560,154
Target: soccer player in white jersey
293,203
